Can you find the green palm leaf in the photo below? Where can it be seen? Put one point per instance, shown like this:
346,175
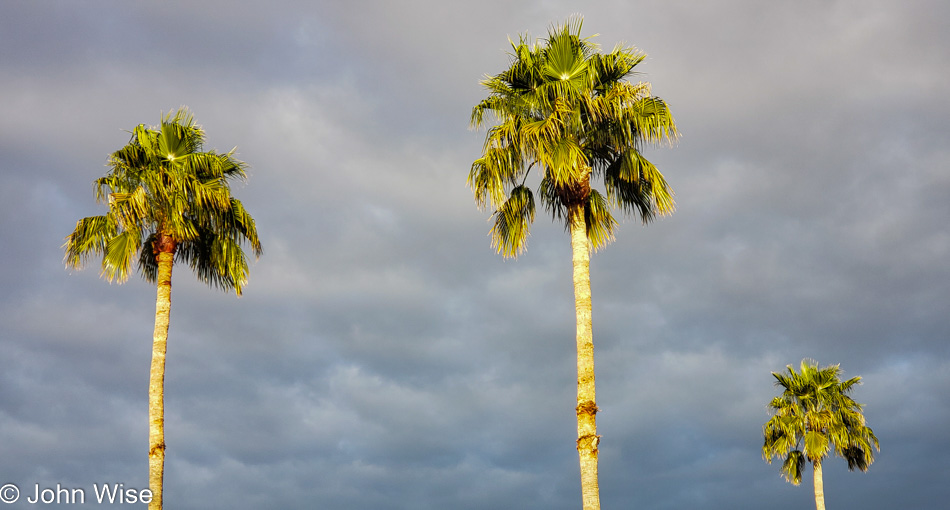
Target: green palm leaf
510,232
793,466
600,223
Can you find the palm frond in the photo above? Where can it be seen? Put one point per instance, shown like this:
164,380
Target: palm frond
120,251
512,222
613,67
654,122
551,198
148,261
634,186
793,466
499,167
89,238
600,223
244,227
216,260
564,160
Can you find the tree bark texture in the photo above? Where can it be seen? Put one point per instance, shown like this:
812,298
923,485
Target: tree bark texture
156,382
587,438
819,487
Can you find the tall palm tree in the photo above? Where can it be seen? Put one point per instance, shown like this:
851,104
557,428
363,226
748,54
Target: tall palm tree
813,417
564,109
168,201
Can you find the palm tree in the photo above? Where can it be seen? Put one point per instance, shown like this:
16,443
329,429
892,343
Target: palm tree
565,109
168,201
813,417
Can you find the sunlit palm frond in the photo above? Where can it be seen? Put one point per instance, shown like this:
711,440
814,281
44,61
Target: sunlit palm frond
512,221
217,260
600,223
564,160
498,168
121,250
611,68
90,237
654,122
793,466
243,227
634,185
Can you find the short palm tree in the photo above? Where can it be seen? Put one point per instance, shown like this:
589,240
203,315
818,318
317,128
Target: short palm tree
565,109
813,417
168,201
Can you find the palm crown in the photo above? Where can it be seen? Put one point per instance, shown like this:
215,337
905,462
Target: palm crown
813,417
564,107
166,195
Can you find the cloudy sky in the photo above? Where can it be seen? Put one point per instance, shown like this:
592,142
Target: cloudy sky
383,357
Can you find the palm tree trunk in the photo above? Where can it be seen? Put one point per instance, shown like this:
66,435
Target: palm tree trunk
587,438
819,487
156,382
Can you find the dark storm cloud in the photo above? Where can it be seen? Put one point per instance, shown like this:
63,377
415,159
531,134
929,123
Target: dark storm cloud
382,356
